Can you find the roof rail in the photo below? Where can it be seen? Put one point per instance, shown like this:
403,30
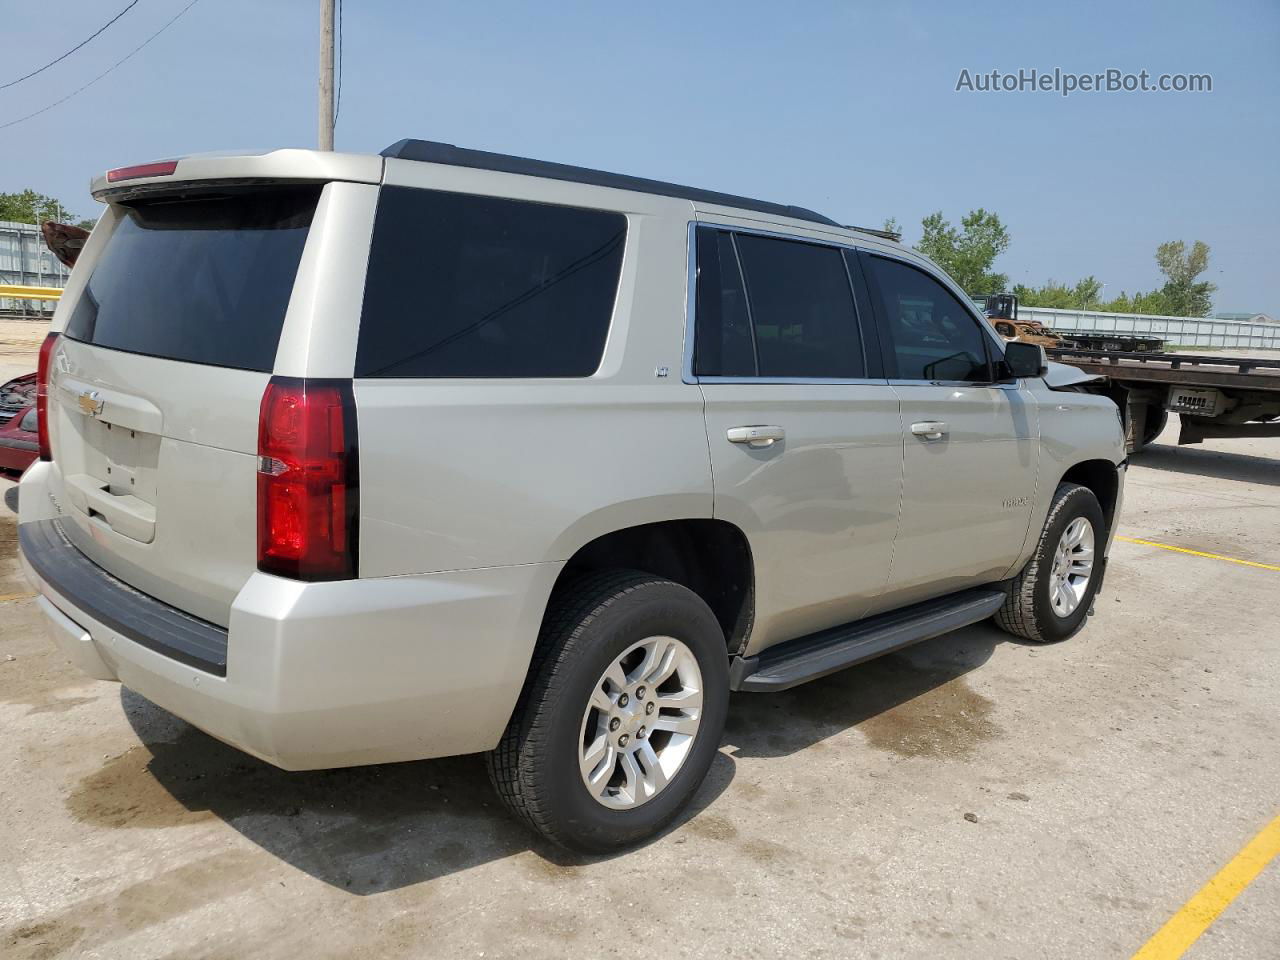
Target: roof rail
893,235
429,151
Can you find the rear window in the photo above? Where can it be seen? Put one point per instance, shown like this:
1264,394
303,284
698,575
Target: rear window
774,308
802,308
469,286
203,279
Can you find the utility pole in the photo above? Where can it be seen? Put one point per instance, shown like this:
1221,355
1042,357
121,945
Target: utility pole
326,74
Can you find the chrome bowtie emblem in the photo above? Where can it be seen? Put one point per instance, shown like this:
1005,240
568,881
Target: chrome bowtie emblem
89,403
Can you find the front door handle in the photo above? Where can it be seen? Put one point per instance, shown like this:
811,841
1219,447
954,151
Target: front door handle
929,429
756,436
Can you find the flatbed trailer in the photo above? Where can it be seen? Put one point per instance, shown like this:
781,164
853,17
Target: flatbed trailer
1214,396
1113,342
1001,310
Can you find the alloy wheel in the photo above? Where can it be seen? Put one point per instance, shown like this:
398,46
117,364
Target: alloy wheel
1072,567
640,722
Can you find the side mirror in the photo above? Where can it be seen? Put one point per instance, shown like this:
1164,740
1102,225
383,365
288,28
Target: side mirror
1025,359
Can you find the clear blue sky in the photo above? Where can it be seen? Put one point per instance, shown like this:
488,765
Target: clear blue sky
848,108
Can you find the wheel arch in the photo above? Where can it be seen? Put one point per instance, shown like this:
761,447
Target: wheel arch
708,556
1102,478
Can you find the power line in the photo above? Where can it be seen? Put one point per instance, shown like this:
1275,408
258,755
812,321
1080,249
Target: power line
118,63
72,50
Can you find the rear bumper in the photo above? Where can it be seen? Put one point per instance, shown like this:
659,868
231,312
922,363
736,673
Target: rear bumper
321,674
99,596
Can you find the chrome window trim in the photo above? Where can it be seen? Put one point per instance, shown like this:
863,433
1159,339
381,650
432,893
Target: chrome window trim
776,234
998,385
687,374
834,381
690,308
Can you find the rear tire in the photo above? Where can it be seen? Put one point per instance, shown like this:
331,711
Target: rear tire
1050,599
615,624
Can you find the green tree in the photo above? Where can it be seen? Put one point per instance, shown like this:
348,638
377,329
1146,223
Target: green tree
1052,294
1085,295
969,253
891,226
1088,293
31,207
1148,303
1183,295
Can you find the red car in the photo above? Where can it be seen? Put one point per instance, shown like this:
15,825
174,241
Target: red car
19,443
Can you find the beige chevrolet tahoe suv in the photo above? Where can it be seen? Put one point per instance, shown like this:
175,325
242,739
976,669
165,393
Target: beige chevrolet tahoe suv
355,459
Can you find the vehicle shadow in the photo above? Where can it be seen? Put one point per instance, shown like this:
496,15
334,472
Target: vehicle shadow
1216,464
365,830
913,703
368,830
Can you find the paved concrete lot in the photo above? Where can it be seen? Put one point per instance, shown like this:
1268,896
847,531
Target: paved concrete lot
19,346
974,797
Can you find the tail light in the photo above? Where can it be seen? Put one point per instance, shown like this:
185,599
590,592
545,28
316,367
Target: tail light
42,395
308,479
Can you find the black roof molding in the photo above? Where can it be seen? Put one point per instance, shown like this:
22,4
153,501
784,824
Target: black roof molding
429,151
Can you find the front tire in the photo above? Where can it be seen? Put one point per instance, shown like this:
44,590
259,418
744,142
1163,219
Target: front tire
621,715
1049,600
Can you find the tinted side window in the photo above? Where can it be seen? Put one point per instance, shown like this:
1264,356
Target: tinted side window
469,286
801,308
931,335
724,345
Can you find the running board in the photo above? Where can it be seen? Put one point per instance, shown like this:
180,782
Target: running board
807,658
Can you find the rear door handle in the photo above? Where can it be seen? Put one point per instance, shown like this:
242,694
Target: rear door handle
756,436
929,429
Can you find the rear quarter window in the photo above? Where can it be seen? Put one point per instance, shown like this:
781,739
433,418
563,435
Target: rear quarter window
469,286
203,279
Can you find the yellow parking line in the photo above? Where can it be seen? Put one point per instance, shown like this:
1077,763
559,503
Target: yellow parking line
1184,927
15,596
1198,553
